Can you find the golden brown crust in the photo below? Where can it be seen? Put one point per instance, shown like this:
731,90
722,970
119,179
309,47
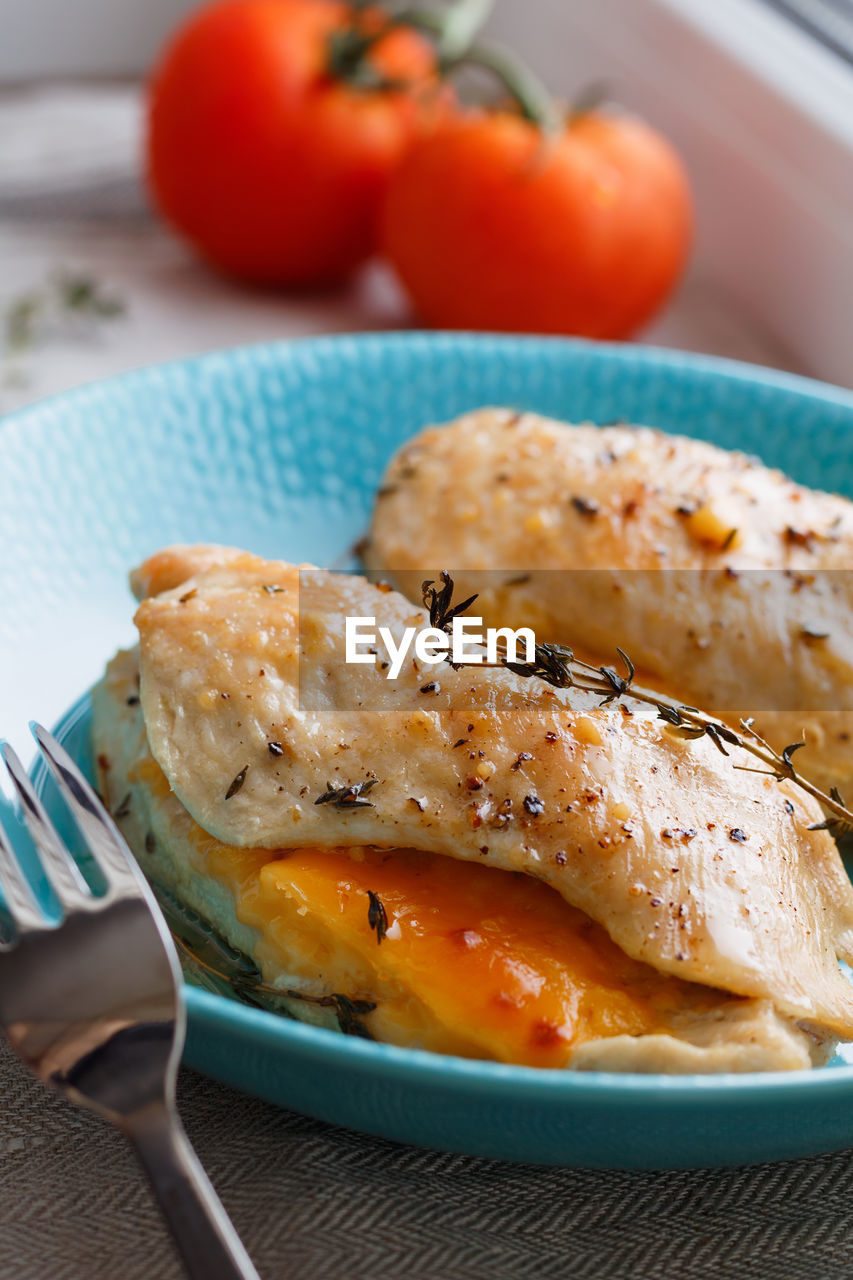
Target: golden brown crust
719,576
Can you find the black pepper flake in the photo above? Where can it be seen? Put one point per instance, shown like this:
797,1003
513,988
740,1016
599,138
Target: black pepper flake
534,806
271,589
188,596
560,858
432,687
520,759
550,737
586,506
739,836
728,540
789,808
133,700
460,742
237,783
475,784
656,902
150,842
275,748
377,918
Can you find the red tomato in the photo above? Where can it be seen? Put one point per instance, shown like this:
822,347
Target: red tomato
269,165
492,225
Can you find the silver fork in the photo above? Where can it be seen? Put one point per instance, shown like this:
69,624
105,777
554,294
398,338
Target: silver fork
93,1004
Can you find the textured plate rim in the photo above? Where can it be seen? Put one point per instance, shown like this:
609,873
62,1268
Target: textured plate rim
623,354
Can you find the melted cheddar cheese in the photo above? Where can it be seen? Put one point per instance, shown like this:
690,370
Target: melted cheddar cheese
497,964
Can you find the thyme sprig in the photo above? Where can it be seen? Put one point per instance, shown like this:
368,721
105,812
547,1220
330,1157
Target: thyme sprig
250,987
557,665
68,296
68,302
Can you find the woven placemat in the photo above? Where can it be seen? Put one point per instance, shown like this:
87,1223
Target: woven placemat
313,1201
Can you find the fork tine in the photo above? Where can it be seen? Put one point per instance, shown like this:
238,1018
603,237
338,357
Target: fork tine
62,871
19,899
104,841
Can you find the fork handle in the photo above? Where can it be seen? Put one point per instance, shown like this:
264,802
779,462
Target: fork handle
206,1240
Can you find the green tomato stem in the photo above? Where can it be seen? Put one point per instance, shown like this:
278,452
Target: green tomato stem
455,26
452,28
534,100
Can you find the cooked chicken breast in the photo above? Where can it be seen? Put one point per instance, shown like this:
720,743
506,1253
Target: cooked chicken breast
473,961
270,739
726,583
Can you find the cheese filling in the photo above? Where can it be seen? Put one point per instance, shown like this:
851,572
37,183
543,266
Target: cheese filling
468,960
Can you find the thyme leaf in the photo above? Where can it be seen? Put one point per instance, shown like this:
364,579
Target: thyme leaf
377,917
237,783
349,1012
348,796
551,663
124,808
437,602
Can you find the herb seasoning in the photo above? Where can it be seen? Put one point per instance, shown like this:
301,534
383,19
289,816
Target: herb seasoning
377,917
348,796
237,783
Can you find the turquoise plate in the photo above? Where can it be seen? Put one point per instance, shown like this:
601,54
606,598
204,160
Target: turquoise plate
279,448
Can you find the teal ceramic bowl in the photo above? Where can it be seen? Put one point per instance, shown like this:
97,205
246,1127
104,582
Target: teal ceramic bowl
280,448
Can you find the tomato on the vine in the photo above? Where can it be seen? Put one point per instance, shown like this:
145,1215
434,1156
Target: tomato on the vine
493,223
273,128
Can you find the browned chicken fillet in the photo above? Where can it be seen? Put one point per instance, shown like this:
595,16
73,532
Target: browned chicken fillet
726,583
698,869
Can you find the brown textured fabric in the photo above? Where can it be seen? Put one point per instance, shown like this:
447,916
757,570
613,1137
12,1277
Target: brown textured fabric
310,1200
